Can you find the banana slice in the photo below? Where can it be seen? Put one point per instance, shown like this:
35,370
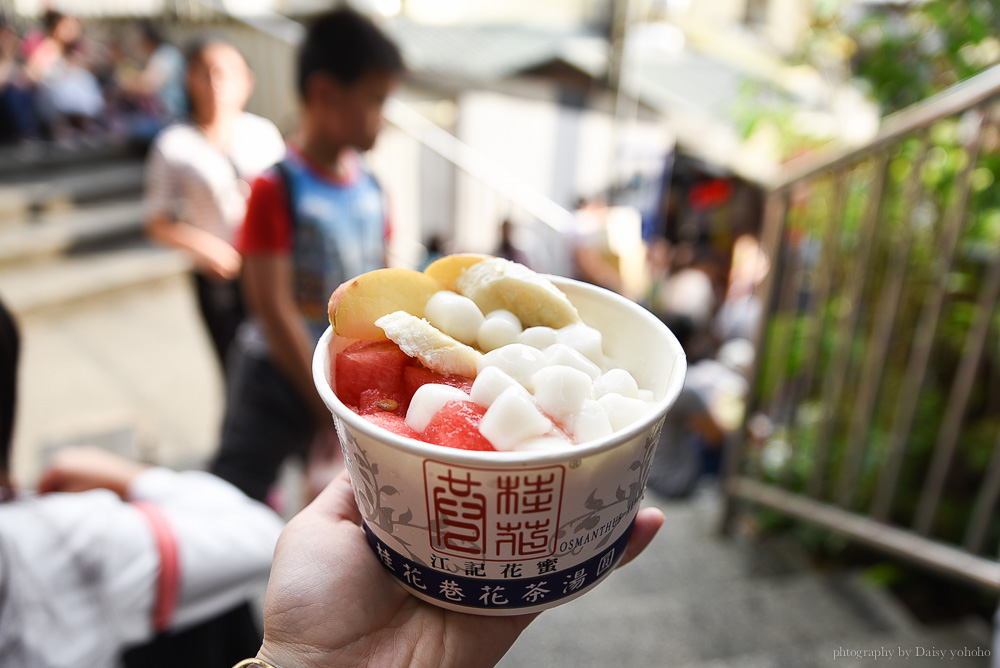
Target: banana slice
501,284
436,350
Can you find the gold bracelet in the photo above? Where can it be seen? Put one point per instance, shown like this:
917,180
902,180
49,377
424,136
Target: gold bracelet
260,663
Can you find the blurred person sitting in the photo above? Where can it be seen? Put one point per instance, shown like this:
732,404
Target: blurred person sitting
703,422
685,297
315,220
197,176
109,552
738,317
43,49
155,92
73,97
17,112
68,97
593,259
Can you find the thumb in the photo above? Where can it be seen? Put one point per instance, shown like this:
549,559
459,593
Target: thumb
336,502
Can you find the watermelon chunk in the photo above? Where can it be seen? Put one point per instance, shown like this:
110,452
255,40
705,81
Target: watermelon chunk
370,365
370,373
378,401
415,376
456,425
392,422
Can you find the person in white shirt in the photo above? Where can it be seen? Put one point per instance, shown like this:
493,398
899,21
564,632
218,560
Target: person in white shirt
197,176
108,552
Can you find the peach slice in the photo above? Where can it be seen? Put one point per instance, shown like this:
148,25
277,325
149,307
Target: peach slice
445,270
358,303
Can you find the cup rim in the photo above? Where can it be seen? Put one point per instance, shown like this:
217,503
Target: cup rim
321,379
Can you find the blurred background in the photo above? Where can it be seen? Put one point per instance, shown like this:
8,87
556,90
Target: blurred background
802,189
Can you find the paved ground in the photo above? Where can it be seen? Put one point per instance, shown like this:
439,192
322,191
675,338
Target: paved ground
131,369
697,600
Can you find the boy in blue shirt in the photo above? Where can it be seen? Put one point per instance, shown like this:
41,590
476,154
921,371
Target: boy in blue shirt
315,220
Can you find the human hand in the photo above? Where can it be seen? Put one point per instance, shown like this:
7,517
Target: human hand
82,468
219,261
330,603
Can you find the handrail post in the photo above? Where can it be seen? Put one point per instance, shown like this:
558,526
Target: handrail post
924,339
775,210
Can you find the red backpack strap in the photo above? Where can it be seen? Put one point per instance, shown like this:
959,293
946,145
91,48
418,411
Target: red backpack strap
169,583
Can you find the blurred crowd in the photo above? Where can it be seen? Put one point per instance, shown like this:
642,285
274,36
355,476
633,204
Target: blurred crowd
57,84
709,298
706,290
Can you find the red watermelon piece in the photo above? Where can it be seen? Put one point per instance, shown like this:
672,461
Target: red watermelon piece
456,425
369,372
370,365
378,401
415,376
392,422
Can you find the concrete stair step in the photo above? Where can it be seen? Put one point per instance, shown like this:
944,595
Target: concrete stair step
68,231
697,600
50,155
28,194
66,280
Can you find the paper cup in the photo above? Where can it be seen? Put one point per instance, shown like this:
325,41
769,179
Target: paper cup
507,533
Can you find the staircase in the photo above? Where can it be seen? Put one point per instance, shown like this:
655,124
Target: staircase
698,600
113,351
71,226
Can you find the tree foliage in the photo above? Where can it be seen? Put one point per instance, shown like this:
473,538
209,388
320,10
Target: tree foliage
906,54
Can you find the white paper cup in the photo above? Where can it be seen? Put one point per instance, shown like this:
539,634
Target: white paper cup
507,533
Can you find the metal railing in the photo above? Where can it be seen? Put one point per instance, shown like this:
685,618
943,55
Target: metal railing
876,403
